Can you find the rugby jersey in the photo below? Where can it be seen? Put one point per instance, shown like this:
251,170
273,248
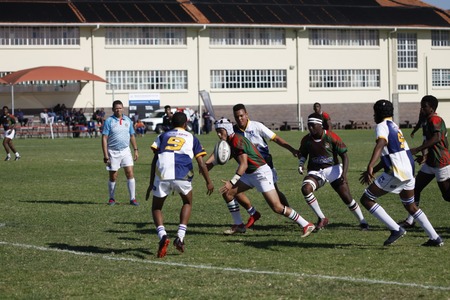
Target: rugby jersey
438,155
239,144
119,131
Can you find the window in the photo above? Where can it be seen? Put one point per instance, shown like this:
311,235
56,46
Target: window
440,77
344,79
440,38
344,37
248,79
39,36
145,36
407,50
408,87
247,37
147,80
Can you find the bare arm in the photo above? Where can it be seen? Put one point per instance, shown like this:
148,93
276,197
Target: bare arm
105,148
280,141
427,143
368,176
205,174
134,144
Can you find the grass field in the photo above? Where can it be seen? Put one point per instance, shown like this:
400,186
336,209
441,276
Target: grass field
59,239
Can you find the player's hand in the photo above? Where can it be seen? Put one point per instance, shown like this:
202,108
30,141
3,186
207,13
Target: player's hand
149,191
106,160
366,178
300,170
420,159
210,187
414,151
226,187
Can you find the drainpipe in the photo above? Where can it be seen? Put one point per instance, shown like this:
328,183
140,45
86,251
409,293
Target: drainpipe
297,69
200,119
392,76
97,27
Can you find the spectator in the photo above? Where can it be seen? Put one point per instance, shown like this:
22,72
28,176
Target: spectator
44,116
195,122
207,123
167,118
92,128
139,127
20,118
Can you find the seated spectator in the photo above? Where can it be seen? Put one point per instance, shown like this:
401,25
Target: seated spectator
44,116
20,118
139,127
91,128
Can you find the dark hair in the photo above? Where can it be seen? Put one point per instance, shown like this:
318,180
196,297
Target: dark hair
317,103
167,107
5,107
431,100
179,119
383,109
239,107
116,102
316,116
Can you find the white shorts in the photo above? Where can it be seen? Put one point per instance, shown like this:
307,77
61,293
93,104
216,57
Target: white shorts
10,134
119,159
275,175
392,184
162,188
261,179
441,174
329,174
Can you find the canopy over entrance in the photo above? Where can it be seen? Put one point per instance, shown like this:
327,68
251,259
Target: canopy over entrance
46,73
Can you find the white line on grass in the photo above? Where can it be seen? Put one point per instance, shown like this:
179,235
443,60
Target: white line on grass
344,278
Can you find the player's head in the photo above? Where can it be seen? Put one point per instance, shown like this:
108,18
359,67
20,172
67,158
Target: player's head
240,115
179,119
224,124
431,100
382,109
315,123
317,107
5,109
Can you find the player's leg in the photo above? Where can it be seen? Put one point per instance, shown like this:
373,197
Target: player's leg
157,205
233,207
273,200
407,197
282,196
443,179
131,184
244,201
6,146
185,214
422,180
310,184
112,187
343,191
9,138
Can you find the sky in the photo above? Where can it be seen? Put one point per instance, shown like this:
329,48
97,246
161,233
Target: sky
445,4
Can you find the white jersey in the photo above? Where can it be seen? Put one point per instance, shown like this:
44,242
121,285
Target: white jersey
257,133
396,155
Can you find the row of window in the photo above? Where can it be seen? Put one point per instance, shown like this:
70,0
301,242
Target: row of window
162,80
173,36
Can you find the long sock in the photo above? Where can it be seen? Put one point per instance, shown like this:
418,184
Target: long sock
161,231
311,200
111,189
297,218
356,211
182,231
378,212
17,154
422,219
233,207
251,211
131,183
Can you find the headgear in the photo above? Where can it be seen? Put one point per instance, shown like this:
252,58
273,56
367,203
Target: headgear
225,124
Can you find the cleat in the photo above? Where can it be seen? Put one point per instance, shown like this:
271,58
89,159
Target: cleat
434,243
17,158
179,244
111,202
134,202
395,235
8,158
255,217
162,249
364,226
321,223
235,229
308,229
406,224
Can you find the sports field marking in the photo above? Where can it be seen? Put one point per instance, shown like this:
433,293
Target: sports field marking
205,267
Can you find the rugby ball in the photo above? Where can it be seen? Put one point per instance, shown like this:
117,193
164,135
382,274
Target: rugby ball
222,152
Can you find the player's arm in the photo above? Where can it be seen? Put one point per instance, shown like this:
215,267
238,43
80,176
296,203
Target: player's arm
134,144
243,165
345,163
152,174
428,143
204,171
105,148
210,162
280,141
368,176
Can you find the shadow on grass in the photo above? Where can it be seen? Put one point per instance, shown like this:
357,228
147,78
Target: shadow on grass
63,202
304,243
138,252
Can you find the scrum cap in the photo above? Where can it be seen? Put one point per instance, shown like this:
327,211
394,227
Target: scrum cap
225,124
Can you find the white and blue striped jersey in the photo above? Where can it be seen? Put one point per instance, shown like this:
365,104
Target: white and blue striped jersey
396,155
257,133
175,149
119,131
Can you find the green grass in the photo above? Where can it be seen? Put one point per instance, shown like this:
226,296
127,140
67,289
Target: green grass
59,239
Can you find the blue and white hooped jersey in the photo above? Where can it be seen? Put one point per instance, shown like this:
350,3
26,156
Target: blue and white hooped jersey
257,133
175,149
396,155
119,131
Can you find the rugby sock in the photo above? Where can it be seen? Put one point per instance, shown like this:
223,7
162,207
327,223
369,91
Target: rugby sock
111,189
378,212
422,219
17,154
356,210
131,183
182,231
297,218
161,231
311,200
233,207
251,211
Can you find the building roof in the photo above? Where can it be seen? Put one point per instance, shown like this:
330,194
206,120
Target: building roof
398,13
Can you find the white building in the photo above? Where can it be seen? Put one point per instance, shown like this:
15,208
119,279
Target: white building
279,55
